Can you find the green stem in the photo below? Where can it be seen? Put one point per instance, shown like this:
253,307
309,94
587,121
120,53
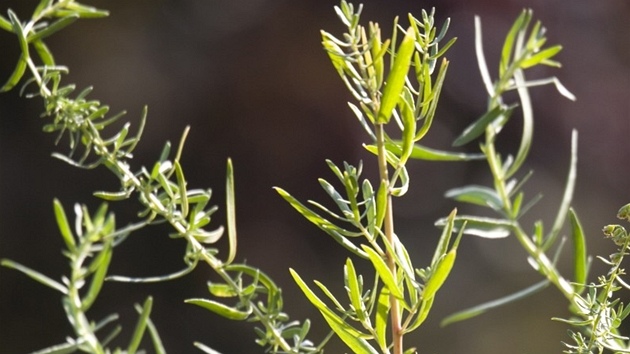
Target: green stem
217,265
545,265
396,328
608,290
121,169
73,301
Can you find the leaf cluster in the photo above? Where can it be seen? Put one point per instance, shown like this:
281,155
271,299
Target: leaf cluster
89,251
394,84
162,193
600,311
524,47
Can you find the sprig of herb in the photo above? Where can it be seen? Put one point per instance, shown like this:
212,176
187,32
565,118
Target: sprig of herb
395,85
162,191
89,250
599,313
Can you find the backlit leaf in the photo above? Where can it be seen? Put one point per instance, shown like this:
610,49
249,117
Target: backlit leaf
479,309
388,278
477,128
396,78
220,309
37,276
478,195
580,256
481,226
141,326
230,201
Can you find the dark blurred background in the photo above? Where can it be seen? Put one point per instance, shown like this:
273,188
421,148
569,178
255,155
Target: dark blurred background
251,79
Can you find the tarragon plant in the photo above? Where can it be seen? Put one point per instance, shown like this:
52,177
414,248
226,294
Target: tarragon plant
396,85
396,111
596,313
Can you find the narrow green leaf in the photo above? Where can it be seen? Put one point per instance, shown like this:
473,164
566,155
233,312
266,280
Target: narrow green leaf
5,24
181,183
63,348
336,197
540,57
204,348
153,332
516,205
230,207
166,151
479,309
528,124
52,28
481,59
477,128
133,142
334,53
381,204
221,290
445,239
432,94
439,275
43,5
567,196
420,152
354,289
330,295
44,53
446,47
481,226
409,125
305,211
370,206
425,308
357,112
156,279
208,237
84,11
508,45
220,309
141,326
396,77
15,77
580,256
346,334
382,315
37,276
478,195
536,38
562,90
112,196
101,262
328,314
325,225
121,136
538,233
20,67
388,278
19,31
378,52
64,226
